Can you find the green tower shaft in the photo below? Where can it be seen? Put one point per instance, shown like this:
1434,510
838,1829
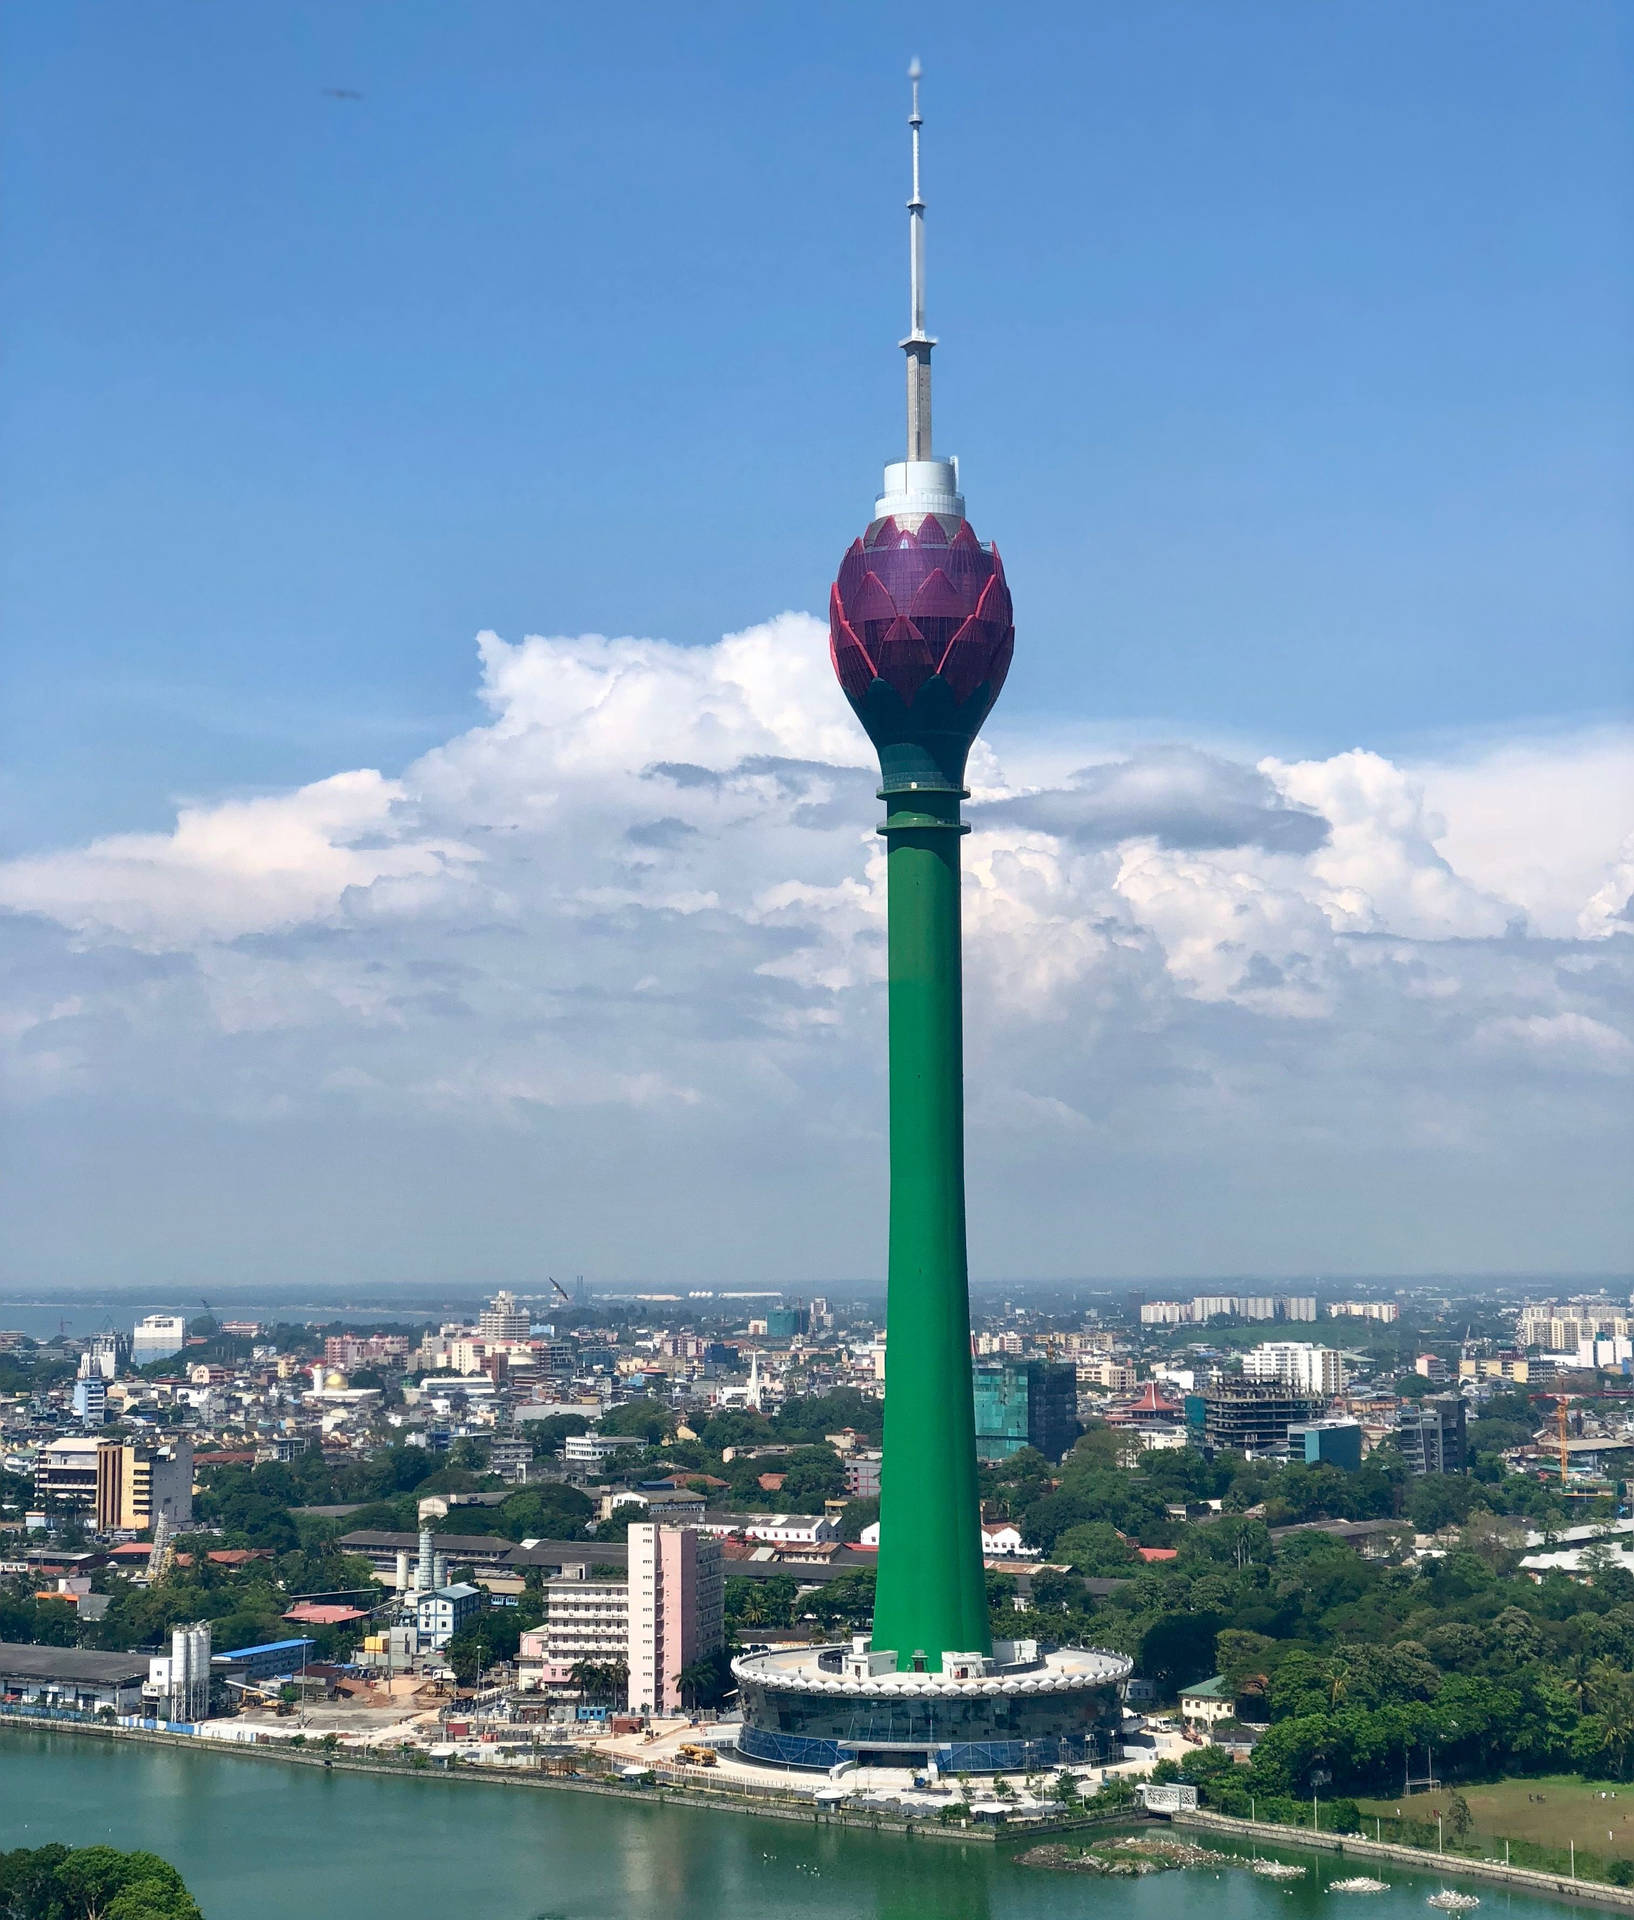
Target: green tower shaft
921,632
931,1595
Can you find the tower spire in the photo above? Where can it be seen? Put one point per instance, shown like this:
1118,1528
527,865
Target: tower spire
918,344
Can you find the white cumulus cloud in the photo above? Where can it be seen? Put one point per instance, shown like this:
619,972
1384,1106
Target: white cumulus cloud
1220,1015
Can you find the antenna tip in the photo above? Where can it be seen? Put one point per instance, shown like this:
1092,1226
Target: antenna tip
915,71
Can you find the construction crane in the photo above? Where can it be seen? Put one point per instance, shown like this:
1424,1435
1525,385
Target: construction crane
1562,1402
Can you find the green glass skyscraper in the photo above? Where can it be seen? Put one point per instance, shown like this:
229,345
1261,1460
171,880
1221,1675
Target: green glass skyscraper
921,634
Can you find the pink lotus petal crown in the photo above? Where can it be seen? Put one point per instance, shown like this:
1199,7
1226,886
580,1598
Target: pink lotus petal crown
911,603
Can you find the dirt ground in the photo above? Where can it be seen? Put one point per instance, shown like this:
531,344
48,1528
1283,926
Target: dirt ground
1551,1810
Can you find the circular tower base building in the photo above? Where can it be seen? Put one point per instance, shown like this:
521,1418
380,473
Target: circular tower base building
1021,1709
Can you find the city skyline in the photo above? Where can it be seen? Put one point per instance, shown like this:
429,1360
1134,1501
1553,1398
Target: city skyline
1298,926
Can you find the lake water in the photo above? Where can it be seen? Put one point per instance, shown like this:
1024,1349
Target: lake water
260,1840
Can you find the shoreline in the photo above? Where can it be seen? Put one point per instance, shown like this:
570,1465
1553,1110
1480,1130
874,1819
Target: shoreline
777,1805
1531,1879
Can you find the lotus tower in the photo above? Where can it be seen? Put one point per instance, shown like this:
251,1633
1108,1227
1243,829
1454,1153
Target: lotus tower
921,632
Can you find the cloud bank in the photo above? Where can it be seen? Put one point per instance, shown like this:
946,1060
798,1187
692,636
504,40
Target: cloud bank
598,984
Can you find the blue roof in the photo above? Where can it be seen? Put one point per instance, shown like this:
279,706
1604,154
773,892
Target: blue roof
269,1646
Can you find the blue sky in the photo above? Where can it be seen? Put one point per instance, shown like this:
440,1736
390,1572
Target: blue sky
1285,351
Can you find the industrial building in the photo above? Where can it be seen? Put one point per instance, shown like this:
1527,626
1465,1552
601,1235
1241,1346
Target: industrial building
272,1660
72,1677
441,1613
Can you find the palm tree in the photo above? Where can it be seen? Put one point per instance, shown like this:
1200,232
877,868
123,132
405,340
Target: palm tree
702,1676
597,1679
1612,1691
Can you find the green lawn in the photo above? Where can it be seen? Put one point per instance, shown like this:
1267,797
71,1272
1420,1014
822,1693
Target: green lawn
1548,1812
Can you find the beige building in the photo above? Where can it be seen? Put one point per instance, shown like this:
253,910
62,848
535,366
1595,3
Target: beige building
1206,1702
1504,1366
119,1487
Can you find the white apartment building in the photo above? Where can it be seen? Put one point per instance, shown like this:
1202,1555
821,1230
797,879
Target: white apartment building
779,1529
157,1337
1297,1364
1384,1311
676,1599
503,1319
1203,1307
596,1449
1563,1328
585,1620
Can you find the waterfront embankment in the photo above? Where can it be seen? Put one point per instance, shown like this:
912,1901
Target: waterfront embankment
1553,1885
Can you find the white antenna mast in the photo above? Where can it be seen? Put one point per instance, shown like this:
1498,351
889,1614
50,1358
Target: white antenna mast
918,344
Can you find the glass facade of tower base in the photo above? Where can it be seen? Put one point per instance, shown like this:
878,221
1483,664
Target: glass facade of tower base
953,1756
1059,1709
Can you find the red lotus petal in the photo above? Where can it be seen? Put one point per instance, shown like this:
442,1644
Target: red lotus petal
869,602
931,532
903,658
969,654
938,599
994,605
852,569
1000,663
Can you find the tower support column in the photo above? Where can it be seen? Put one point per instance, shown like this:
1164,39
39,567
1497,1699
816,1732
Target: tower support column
931,1595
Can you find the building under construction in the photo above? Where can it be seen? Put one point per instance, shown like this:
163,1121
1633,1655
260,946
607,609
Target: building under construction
1252,1417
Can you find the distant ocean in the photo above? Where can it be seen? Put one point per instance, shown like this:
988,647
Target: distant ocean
80,1311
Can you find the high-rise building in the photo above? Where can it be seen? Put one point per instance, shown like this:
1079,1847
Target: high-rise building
586,1626
1299,1364
91,1400
157,1337
1384,1311
106,1355
1430,1434
118,1486
1253,1417
1025,1403
135,1485
675,1611
921,633
504,1319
